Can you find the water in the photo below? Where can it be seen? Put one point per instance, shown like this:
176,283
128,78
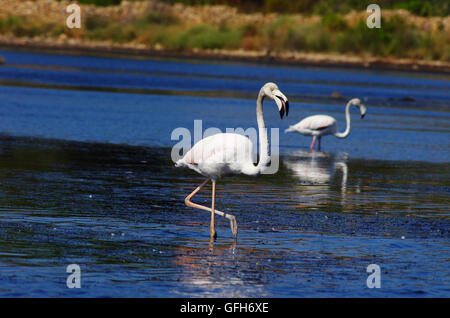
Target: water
86,178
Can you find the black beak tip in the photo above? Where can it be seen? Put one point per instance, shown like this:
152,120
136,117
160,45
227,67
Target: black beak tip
284,108
362,116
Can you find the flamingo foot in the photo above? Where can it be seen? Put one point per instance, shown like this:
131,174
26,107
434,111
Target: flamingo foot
213,234
233,224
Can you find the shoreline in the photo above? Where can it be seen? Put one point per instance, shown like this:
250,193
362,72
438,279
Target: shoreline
260,57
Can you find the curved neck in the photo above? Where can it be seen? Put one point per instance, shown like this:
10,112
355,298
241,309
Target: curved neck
347,119
263,140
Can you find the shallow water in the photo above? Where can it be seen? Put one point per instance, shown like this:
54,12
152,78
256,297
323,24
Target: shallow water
86,178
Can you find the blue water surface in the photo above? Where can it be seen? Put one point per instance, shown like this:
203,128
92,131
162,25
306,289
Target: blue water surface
86,177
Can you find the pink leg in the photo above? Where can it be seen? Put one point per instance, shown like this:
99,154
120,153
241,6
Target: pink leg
312,144
213,200
189,203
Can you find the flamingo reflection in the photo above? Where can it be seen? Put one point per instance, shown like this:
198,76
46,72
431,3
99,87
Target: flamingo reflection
316,170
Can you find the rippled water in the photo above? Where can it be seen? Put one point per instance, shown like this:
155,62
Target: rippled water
86,178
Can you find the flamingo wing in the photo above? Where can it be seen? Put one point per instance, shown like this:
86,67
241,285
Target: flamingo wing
316,122
219,149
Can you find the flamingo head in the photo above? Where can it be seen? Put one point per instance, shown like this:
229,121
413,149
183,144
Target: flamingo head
362,108
272,91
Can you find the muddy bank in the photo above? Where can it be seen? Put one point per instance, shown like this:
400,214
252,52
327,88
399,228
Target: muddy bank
286,58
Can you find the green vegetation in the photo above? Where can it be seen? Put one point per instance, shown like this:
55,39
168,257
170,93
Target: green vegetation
330,32
396,38
165,30
18,26
418,7
102,3
425,8
206,37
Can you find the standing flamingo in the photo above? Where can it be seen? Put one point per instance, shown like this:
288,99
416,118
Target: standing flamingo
230,153
322,125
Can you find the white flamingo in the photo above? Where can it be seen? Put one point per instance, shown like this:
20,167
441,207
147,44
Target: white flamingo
322,125
230,153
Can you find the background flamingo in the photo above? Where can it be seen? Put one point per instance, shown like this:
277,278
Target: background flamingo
227,153
322,125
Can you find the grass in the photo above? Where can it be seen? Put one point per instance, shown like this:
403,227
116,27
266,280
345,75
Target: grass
24,27
397,37
163,29
19,26
206,37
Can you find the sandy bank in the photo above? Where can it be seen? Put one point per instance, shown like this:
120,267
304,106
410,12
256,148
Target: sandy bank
281,58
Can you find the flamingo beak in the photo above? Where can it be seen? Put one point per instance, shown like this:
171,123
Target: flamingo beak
363,110
282,103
